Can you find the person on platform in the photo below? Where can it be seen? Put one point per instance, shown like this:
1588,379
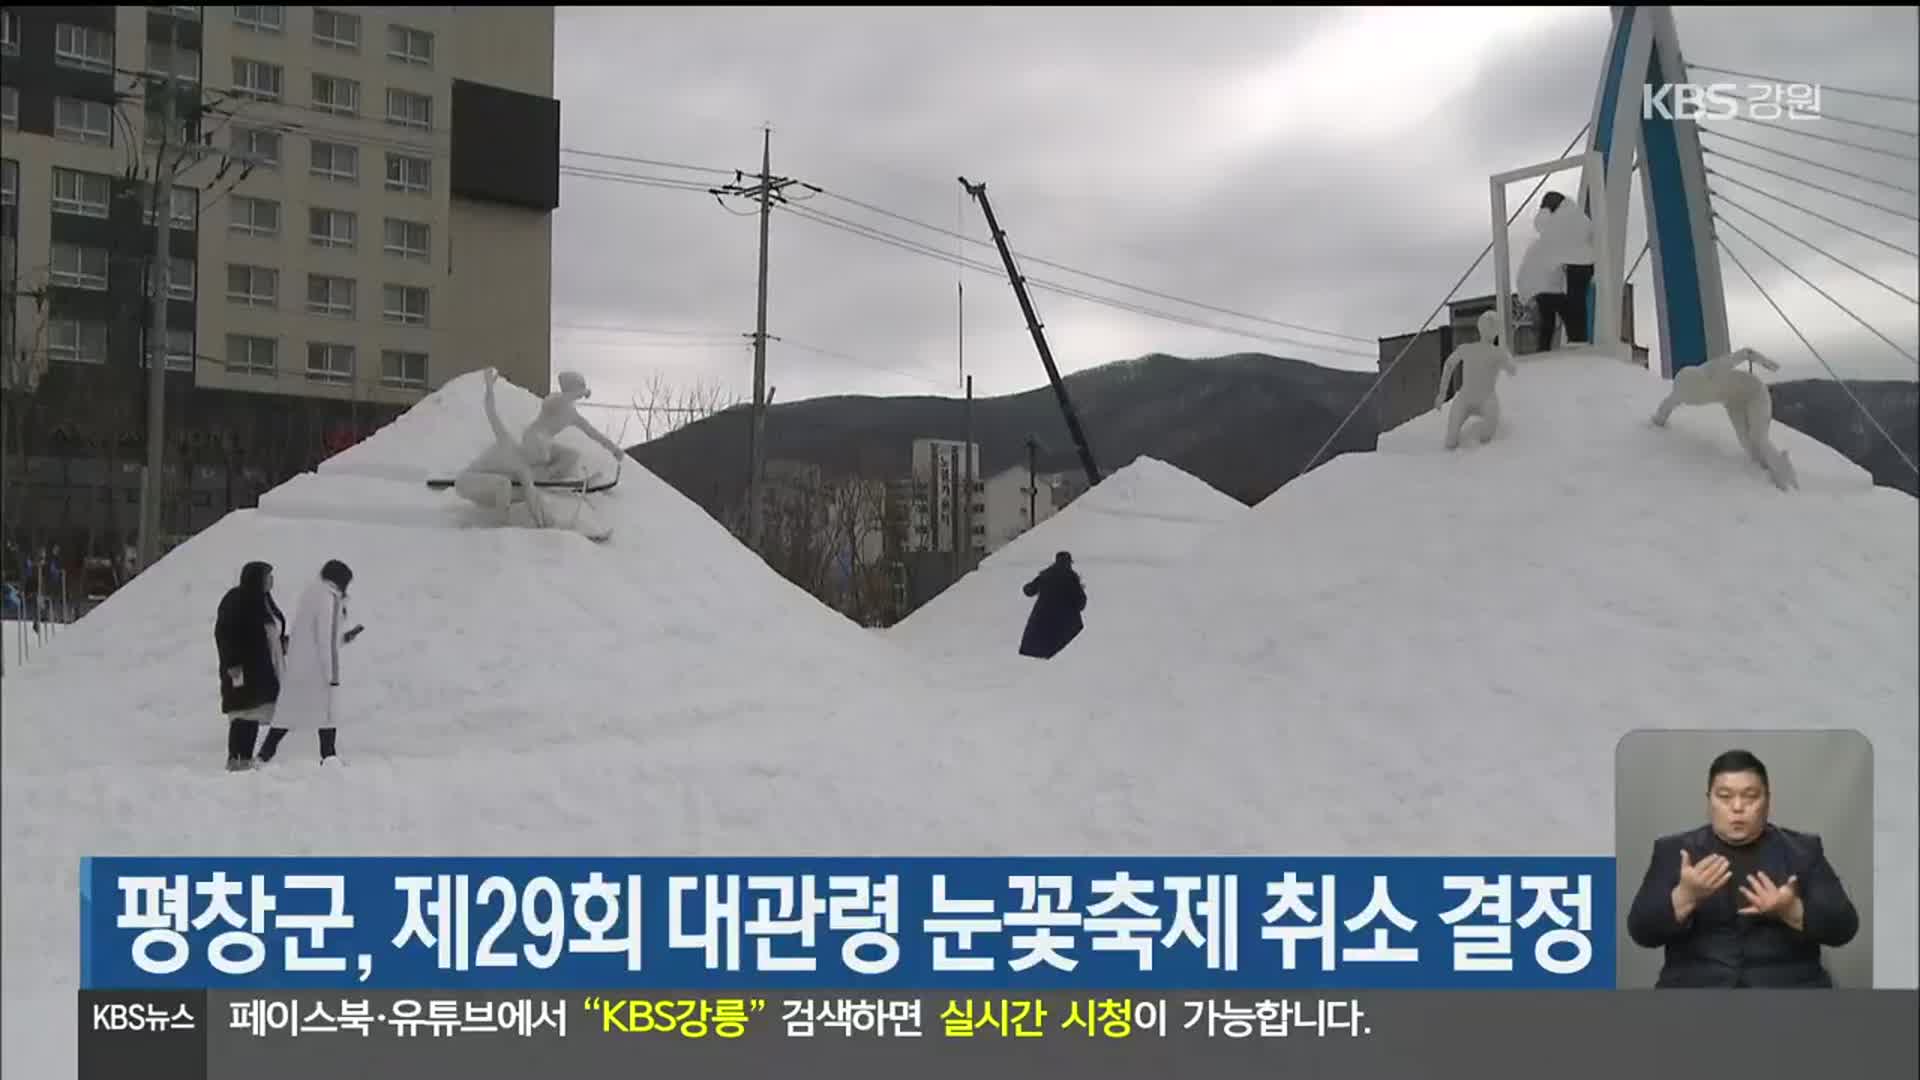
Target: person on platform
310,688
250,635
1557,269
1059,598
1741,902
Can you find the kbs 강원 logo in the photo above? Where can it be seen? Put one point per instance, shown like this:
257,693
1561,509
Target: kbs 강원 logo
1725,101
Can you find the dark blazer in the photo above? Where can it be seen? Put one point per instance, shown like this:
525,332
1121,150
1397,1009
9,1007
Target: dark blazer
1718,947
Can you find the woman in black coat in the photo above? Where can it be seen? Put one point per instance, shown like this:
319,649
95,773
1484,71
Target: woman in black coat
1059,598
251,636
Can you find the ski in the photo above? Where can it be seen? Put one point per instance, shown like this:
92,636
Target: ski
578,487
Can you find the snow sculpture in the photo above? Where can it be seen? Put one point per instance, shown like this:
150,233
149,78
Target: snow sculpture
1748,402
1481,363
535,457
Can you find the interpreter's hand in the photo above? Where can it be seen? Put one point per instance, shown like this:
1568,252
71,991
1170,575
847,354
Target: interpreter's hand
492,376
1704,878
1765,898
237,676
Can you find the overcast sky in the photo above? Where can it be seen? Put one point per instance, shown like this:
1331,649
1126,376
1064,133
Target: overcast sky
1324,168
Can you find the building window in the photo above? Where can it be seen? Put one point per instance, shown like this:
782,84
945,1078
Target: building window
406,305
178,11
407,173
335,161
82,47
258,79
329,363
77,342
9,33
9,108
257,146
254,217
79,267
330,296
178,61
82,193
332,228
336,29
79,120
265,18
409,239
179,351
183,133
403,370
408,109
253,286
247,355
180,279
9,182
409,45
333,94
186,205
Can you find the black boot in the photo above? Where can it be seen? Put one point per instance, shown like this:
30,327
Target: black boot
274,735
327,748
240,736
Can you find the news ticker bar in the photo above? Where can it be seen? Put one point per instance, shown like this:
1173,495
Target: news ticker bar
221,1035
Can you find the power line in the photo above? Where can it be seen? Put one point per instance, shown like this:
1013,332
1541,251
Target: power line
1808,183
1814,214
1797,82
650,161
1085,273
1801,131
1844,388
1862,177
1782,229
1803,279
662,182
869,232
1438,308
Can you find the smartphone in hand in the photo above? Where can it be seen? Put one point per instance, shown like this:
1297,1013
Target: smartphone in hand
353,633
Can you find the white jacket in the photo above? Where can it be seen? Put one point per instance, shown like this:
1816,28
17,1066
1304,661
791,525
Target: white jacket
311,683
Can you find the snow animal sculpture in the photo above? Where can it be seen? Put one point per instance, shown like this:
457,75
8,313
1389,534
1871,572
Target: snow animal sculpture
535,457
1748,402
1481,363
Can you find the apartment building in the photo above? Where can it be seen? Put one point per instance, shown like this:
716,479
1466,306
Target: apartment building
361,212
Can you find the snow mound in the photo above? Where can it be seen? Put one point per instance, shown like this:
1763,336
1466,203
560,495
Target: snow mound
1438,651
1139,524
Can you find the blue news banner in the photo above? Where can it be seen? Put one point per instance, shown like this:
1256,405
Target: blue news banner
939,924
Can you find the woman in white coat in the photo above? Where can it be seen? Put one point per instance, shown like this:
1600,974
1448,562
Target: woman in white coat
312,680
1568,233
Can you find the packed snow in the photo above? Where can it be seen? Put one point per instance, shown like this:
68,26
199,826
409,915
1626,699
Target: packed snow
1132,530
1409,652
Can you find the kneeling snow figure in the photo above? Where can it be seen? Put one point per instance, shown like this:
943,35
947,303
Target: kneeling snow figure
1748,402
1481,363
535,456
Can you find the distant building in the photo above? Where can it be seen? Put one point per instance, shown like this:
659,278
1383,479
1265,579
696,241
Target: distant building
1408,390
1007,505
939,469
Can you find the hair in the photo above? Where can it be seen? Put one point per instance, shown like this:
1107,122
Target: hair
1065,557
1737,761
338,573
1552,200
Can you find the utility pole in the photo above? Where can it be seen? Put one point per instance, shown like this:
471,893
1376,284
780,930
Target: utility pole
967,563
767,190
1033,480
160,200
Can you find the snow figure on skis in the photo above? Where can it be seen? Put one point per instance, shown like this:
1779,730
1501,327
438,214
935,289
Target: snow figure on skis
1481,363
536,456
1748,402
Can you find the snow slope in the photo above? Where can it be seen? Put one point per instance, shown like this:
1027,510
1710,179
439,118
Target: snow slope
1137,526
1407,652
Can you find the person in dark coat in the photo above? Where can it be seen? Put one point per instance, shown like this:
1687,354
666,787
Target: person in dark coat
250,634
1058,599
1741,902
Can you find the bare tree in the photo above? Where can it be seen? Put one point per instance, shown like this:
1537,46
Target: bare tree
22,364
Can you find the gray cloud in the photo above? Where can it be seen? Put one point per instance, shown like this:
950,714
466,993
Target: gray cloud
1235,156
